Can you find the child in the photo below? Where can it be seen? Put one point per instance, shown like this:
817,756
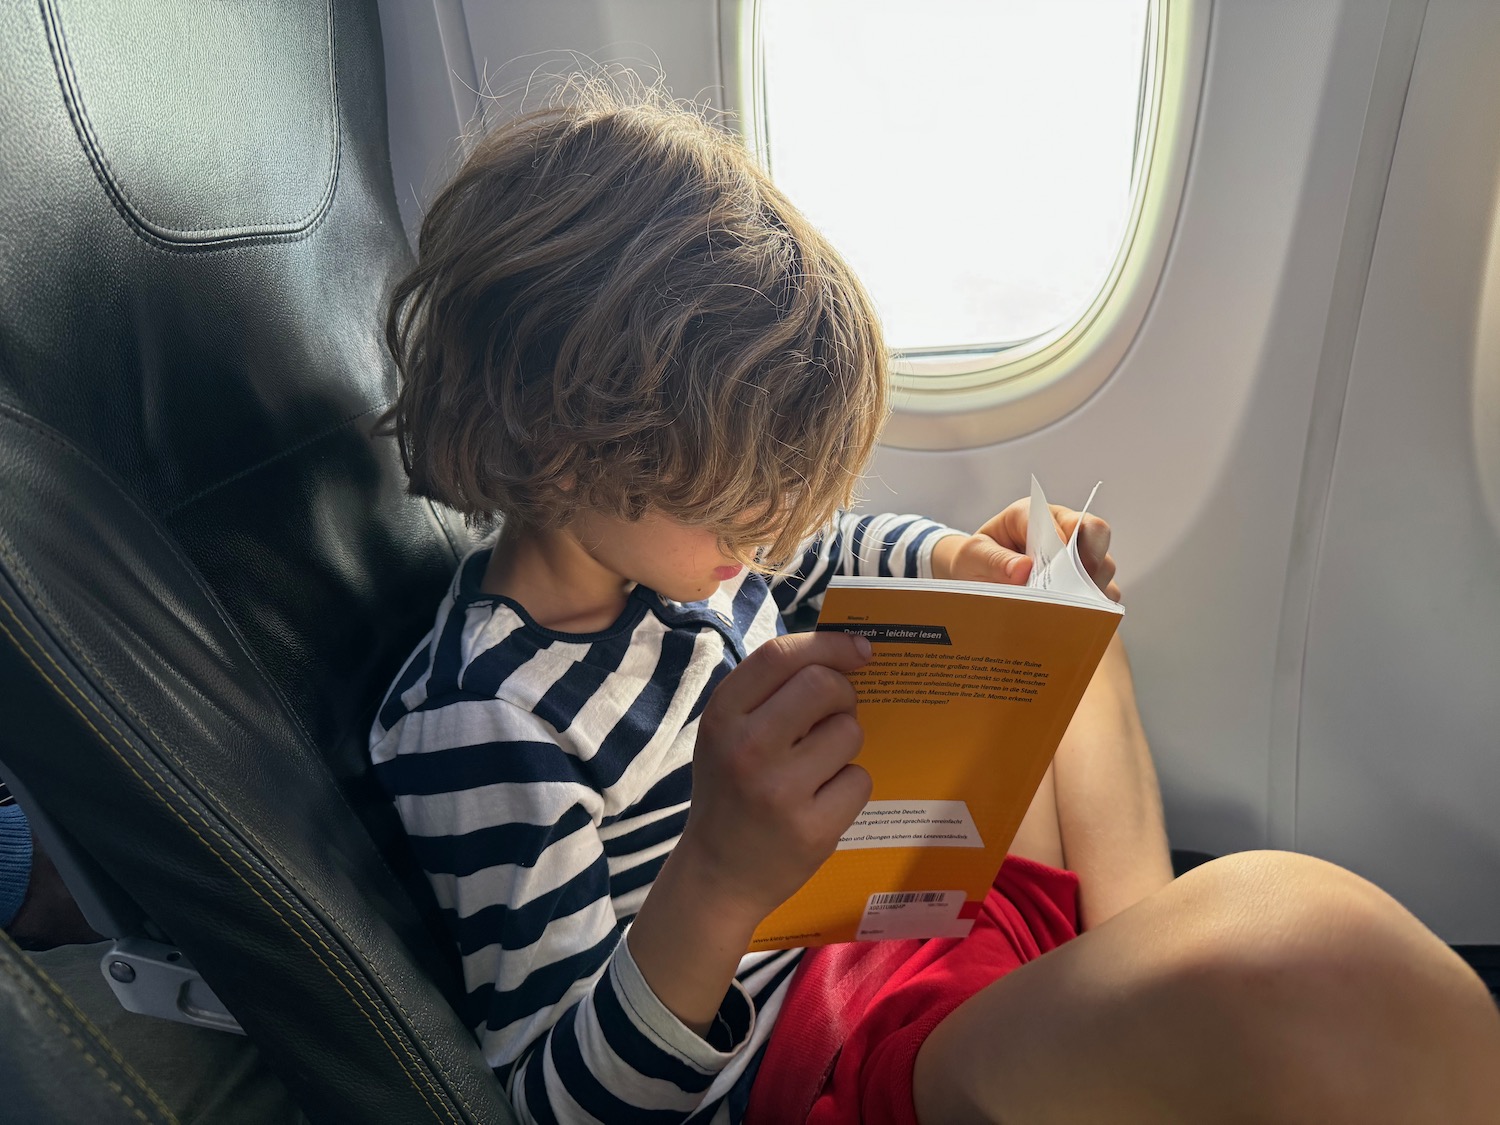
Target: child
625,342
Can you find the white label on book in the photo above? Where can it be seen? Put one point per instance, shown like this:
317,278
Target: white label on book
912,824
913,914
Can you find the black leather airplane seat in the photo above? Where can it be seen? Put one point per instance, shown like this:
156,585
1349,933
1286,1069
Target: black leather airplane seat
209,569
55,1064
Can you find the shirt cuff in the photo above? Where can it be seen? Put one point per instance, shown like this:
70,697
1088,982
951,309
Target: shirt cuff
15,862
731,1030
924,552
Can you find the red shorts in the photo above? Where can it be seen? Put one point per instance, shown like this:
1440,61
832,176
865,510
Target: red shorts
846,1039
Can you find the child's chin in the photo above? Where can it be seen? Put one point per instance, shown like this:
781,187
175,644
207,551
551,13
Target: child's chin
688,592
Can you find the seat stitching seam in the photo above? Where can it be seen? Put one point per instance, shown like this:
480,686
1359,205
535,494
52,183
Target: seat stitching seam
280,455
47,434
45,1002
285,920
214,851
43,603
153,233
443,527
81,652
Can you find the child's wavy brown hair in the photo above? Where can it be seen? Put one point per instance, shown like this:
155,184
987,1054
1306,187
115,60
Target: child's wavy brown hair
614,309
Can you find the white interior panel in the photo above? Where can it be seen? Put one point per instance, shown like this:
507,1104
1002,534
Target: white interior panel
518,42
1399,766
449,60
431,95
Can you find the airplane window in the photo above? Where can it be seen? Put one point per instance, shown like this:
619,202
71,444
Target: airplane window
975,160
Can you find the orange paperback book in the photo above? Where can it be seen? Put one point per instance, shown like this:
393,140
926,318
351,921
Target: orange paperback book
963,705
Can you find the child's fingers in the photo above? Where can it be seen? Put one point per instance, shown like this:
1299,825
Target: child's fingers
1093,536
797,707
1093,547
983,560
839,799
1008,528
773,664
834,787
1103,574
831,745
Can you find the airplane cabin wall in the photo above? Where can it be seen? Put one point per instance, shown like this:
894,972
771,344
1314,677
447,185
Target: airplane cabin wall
1399,769
1301,449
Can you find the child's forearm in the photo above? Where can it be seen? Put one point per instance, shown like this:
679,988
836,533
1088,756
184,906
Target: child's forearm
688,939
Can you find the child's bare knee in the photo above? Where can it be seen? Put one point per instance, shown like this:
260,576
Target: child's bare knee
1298,973
1264,987
1267,928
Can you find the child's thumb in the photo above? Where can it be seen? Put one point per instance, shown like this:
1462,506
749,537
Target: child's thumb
1001,564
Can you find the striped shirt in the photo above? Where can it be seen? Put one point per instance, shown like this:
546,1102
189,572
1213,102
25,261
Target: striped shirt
543,777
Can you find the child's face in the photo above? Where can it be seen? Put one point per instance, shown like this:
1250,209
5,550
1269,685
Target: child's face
685,563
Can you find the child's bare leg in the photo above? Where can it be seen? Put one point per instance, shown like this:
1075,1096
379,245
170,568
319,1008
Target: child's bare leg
1108,801
1040,835
1098,811
1263,987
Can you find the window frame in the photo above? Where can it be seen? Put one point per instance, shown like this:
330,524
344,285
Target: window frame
976,398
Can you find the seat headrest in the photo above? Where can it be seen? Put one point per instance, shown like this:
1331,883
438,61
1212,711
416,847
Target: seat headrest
199,230
250,147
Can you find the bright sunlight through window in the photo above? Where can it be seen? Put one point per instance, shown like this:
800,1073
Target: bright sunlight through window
973,159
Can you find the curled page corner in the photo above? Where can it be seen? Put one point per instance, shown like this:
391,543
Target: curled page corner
1056,566
1043,543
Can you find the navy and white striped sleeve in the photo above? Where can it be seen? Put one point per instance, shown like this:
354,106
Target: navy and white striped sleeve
506,824
885,546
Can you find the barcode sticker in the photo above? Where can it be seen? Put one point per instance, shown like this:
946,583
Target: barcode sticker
913,914
897,898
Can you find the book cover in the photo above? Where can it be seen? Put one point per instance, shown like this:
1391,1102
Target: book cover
963,705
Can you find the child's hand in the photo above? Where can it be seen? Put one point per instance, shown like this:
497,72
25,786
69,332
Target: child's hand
997,551
773,787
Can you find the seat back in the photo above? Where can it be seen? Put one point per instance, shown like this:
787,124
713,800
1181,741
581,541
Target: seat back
209,569
56,1067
